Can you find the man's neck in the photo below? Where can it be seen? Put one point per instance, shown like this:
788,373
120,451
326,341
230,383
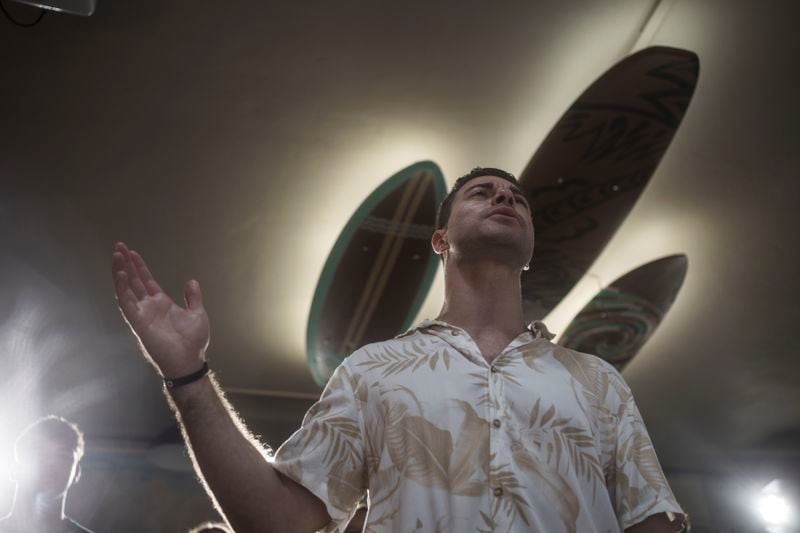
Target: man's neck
483,299
36,511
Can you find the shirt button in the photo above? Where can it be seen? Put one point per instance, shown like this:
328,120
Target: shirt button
455,333
494,370
498,491
496,423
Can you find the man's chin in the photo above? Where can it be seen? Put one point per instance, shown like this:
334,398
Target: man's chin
501,246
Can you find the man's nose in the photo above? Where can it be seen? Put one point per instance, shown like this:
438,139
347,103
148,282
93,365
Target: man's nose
504,196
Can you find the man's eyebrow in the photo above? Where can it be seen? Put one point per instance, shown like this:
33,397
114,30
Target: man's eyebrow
489,185
484,185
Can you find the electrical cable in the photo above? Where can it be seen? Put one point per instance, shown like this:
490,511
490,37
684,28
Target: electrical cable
18,23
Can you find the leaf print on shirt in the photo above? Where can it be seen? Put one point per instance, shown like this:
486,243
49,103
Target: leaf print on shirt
503,368
591,382
480,381
345,486
638,450
532,353
360,388
631,499
411,355
488,522
512,501
425,453
565,444
554,487
589,372
340,435
472,445
419,450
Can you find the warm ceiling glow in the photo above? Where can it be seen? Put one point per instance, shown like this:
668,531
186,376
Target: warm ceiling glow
379,150
636,243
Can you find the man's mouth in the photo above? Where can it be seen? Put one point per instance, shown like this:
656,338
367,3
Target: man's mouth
506,212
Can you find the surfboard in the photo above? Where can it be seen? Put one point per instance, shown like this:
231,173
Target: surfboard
379,271
594,164
617,322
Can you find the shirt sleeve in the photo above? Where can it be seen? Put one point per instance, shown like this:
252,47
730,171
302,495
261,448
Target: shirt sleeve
637,485
326,455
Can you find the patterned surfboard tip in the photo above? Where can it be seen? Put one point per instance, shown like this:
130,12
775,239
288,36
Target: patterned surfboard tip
619,320
596,161
379,270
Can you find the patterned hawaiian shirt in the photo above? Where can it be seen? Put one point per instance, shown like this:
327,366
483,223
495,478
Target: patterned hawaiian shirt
543,439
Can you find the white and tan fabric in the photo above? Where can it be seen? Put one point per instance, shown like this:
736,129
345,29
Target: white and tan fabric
545,439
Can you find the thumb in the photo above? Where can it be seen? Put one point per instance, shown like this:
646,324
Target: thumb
193,296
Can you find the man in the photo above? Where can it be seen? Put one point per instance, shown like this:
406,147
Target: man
47,455
470,422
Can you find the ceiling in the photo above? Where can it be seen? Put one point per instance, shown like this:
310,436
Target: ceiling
231,143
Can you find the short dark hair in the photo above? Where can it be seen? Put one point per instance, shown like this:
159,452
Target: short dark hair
443,213
54,429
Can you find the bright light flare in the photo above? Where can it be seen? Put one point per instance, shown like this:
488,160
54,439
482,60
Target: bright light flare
774,510
773,507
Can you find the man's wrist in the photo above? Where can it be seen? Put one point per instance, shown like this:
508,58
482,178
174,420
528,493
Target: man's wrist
172,383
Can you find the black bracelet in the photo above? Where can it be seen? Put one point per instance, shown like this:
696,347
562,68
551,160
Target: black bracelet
174,383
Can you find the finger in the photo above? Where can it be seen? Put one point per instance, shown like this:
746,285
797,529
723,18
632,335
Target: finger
119,274
150,284
118,260
193,296
134,282
128,303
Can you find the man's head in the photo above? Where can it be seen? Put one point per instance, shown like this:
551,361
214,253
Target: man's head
47,453
445,207
486,215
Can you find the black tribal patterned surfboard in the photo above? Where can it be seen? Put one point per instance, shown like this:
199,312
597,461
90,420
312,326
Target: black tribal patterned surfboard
591,168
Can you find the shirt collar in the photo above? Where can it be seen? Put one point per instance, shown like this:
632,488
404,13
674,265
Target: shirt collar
537,328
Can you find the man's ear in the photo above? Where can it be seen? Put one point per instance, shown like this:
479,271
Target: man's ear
439,241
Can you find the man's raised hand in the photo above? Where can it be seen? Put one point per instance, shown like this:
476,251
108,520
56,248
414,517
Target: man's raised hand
174,338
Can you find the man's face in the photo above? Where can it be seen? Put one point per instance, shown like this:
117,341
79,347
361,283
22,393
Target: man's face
490,215
47,467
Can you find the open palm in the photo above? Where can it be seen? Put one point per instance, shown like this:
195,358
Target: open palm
173,337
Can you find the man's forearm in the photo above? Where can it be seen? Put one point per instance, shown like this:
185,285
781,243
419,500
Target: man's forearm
248,491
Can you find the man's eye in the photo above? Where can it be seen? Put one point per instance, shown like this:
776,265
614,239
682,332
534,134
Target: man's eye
478,192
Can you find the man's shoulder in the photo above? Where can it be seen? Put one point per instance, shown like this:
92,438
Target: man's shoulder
584,359
411,342
585,366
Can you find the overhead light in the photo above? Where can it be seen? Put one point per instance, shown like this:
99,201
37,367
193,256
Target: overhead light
74,7
773,506
774,510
